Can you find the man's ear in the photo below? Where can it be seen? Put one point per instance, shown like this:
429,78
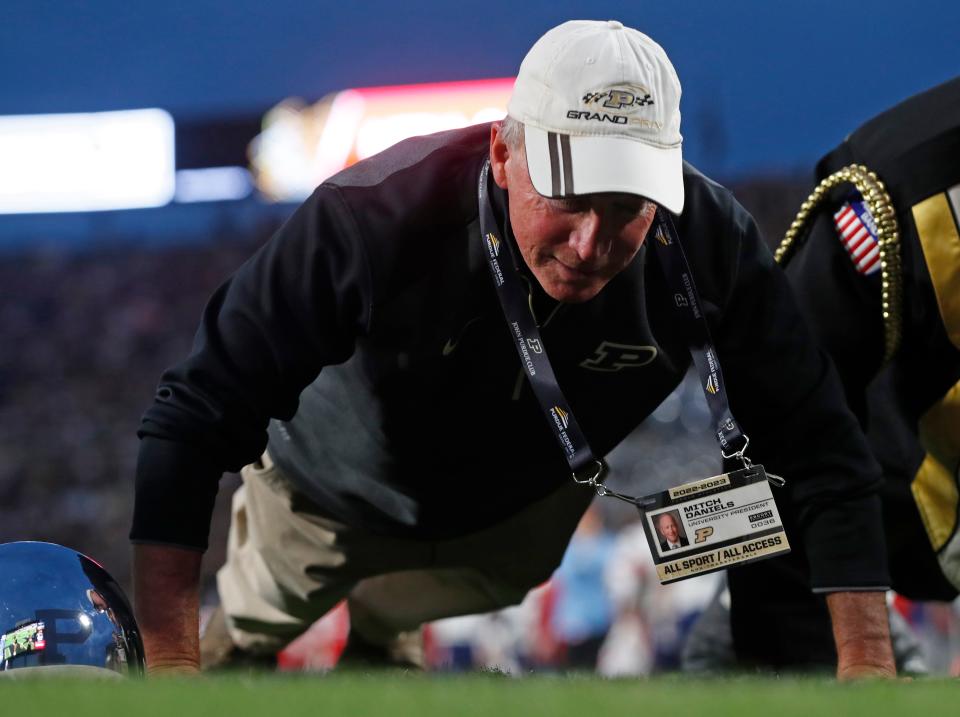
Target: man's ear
499,154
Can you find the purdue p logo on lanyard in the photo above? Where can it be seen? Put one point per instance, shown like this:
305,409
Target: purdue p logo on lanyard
694,528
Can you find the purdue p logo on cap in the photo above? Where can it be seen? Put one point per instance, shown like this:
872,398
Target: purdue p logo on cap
620,98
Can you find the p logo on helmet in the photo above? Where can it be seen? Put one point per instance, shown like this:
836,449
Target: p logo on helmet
60,610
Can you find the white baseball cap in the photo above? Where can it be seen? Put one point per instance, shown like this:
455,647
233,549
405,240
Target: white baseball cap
600,104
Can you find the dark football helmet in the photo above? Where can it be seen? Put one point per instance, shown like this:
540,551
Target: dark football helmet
59,608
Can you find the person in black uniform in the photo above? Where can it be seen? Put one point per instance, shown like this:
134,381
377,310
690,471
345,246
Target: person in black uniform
406,467
874,260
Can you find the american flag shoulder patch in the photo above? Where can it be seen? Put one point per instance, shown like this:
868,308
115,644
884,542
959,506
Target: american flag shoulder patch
858,234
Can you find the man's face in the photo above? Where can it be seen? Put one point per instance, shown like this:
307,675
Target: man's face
573,246
668,527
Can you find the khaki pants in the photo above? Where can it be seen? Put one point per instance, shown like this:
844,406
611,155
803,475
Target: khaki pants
287,565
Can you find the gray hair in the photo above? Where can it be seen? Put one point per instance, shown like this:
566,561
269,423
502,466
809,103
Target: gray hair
512,132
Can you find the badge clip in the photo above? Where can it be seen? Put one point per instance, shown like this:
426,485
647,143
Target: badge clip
741,456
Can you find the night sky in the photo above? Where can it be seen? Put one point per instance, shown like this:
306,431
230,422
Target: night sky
768,86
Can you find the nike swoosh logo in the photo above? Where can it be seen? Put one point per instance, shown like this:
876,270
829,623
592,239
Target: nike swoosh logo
451,345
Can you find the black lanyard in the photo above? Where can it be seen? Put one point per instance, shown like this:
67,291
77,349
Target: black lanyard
733,442
514,300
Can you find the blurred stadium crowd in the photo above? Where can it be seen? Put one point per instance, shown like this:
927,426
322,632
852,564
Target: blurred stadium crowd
85,336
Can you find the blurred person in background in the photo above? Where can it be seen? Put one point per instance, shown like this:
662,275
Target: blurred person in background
360,370
513,640
651,621
582,611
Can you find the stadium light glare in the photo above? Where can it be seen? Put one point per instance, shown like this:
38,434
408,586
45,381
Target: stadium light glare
301,145
86,161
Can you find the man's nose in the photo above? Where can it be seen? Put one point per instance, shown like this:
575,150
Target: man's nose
589,238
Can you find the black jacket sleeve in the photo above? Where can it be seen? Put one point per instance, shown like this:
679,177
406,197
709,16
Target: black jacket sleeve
785,393
297,305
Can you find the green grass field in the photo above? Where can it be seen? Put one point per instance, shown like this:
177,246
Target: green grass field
400,695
